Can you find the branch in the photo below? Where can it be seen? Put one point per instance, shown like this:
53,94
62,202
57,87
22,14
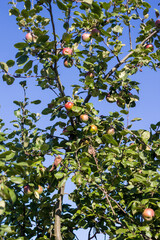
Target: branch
121,62
58,211
127,56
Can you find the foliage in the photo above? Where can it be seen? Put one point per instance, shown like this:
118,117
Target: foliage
116,176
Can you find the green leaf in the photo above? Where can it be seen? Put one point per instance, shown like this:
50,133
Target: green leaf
12,195
88,1
21,45
10,63
22,60
136,119
42,38
28,66
4,66
36,102
17,180
109,139
76,109
59,175
117,29
145,135
61,5
2,207
8,79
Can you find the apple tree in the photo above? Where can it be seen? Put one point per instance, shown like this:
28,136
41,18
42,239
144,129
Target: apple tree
114,167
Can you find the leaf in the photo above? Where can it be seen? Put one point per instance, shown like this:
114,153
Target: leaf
42,38
88,1
61,5
117,29
10,63
17,180
12,195
76,109
145,135
136,119
21,45
27,66
22,60
2,207
4,66
59,175
109,139
8,79
36,102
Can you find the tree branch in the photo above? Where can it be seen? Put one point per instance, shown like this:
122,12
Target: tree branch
127,56
58,211
121,62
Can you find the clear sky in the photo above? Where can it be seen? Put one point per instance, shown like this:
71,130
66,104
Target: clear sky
147,108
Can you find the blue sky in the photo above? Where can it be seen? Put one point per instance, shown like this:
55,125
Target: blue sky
147,108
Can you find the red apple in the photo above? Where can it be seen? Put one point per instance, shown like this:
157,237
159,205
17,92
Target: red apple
95,32
148,214
86,37
69,105
67,51
68,63
157,23
111,131
93,128
27,190
84,117
30,37
40,189
150,46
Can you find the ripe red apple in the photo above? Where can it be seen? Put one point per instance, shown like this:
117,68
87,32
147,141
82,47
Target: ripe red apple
86,37
27,190
40,189
111,131
93,128
68,63
30,37
69,105
84,117
148,214
67,51
95,32
150,46
157,23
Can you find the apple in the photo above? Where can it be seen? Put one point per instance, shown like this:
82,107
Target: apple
148,214
93,128
67,51
68,63
39,190
30,37
27,190
95,32
111,131
90,74
69,105
86,37
84,117
150,46
157,23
